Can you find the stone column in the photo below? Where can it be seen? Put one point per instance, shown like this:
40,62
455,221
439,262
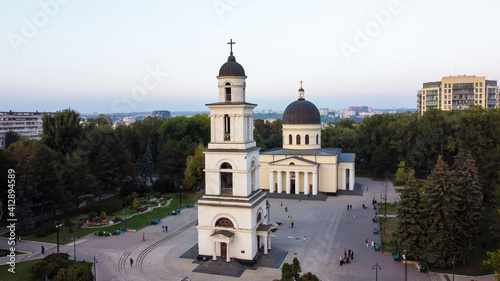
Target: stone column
344,176
271,181
351,179
315,183
269,241
306,183
214,258
280,181
297,182
228,253
265,244
287,182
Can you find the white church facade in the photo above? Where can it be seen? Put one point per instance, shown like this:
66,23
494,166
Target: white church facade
233,214
301,166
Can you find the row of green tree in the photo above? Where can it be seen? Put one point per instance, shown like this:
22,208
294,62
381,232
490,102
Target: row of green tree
79,161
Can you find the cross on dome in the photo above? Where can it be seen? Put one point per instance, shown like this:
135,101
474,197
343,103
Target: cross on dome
301,91
230,43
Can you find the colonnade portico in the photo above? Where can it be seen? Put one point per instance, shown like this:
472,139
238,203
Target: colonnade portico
276,179
344,179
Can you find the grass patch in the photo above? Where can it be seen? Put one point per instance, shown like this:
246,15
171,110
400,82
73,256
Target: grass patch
391,208
136,222
4,253
23,272
389,241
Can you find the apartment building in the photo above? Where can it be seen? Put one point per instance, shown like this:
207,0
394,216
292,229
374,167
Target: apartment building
27,124
458,92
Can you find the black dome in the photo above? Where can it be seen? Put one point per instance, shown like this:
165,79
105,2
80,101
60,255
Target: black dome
231,68
301,112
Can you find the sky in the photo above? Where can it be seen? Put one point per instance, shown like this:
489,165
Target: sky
129,56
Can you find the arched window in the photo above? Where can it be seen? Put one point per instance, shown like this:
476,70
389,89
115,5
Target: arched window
224,222
307,139
228,92
317,139
298,139
259,217
226,179
290,139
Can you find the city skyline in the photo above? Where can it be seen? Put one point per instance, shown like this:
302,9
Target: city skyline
103,57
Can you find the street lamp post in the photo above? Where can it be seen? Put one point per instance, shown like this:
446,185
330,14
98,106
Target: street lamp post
453,267
159,205
125,213
95,276
180,196
73,237
377,268
406,264
57,227
385,208
64,231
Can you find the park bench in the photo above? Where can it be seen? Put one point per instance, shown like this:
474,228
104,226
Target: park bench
175,212
377,246
190,205
375,230
375,219
396,256
155,221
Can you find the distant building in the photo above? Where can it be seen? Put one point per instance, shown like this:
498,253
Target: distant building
161,114
358,109
458,92
28,124
323,111
129,120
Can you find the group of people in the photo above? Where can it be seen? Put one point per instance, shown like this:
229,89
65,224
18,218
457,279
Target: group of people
348,257
290,219
368,243
349,207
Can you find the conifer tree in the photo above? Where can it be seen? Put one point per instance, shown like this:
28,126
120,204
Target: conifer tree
410,220
466,180
441,216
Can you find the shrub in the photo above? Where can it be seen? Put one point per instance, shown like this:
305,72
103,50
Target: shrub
103,215
51,264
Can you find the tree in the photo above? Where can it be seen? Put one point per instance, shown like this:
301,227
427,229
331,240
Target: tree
402,174
494,261
194,168
74,273
62,130
309,277
442,215
51,264
466,180
410,228
145,166
10,138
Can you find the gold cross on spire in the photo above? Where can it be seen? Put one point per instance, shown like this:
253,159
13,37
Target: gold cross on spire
301,83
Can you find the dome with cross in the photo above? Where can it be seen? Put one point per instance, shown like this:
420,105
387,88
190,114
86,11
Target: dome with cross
231,67
301,111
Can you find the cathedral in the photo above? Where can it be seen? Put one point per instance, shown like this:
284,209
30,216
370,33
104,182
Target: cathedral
233,215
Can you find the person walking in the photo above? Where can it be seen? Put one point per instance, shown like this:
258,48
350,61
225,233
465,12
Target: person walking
143,238
163,228
341,260
304,239
291,224
43,250
373,244
345,252
349,253
166,228
350,207
367,242
352,255
286,208
131,261
281,203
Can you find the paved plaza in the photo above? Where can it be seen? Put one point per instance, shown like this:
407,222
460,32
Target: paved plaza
328,228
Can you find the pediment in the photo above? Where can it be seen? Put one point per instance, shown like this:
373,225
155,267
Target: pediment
294,161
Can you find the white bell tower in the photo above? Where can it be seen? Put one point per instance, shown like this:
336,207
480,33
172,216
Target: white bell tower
233,207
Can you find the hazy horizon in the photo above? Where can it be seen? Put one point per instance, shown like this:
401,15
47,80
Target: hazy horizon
130,56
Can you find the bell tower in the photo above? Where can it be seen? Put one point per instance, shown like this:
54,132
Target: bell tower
233,207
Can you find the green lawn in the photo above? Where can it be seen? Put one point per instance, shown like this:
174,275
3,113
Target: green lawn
389,239
4,253
391,208
135,222
23,273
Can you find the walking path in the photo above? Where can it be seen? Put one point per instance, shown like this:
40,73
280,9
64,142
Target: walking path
328,227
